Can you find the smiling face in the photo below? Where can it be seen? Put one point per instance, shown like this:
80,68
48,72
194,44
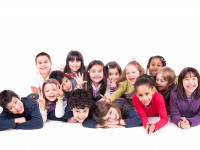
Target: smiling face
43,64
161,83
96,73
132,73
144,93
15,106
66,85
190,83
112,115
50,91
113,75
155,65
74,65
80,114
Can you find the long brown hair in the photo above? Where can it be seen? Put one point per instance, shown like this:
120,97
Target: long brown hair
101,108
180,89
49,81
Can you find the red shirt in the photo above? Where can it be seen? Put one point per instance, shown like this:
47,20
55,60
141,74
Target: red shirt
156,108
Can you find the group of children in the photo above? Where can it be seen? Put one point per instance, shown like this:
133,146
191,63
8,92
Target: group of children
104,96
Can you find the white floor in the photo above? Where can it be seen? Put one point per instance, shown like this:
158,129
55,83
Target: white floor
67,136
135,29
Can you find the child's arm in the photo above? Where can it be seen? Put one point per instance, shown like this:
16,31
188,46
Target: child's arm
174,109
132,118
108,92
139,109
34,89
79,81
41,103
35,85
111,88
34,118
195,120
162,112
60,104
60,108
6,121
121,89
43,113
89,123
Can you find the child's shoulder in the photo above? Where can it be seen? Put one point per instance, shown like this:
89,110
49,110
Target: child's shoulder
125,82
157,96
28,102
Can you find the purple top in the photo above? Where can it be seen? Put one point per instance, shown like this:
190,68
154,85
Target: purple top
189,108
113,89
52,105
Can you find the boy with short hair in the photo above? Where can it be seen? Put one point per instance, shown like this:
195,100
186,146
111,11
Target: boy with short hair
19,113
80,102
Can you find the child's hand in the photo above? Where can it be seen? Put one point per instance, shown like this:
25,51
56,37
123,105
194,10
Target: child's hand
112,124
61,68
20,120
150,128
104,98
185,124
113,83
60,93
72,120
41,101
79,80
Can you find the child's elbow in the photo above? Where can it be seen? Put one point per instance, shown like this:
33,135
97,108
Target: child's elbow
40,124
59,114
139,122
165,120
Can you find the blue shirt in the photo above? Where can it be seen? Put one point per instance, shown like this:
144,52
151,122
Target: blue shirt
131,118
31,113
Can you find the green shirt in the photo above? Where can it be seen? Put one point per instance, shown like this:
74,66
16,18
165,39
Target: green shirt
124,88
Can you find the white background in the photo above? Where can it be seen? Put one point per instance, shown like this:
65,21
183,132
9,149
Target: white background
104,30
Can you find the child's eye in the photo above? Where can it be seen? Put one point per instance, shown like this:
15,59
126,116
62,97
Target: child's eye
152,64
100,71
194,78
110,112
